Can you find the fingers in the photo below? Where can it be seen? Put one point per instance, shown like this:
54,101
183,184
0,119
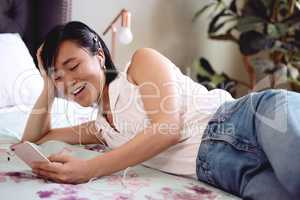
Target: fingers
61,158
50,167
39,50
55,171
42,45
52,171
48,82
39,59
50,175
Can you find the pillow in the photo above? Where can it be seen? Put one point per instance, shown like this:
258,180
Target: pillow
63,114
20,80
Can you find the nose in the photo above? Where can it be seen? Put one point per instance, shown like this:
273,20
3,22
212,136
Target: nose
69,82
66,86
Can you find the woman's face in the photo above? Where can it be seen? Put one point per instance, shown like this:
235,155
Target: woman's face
77,74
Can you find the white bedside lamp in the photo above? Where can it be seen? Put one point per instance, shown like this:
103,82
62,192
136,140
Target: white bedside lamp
124,34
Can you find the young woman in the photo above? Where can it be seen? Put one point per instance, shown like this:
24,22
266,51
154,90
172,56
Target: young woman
153,114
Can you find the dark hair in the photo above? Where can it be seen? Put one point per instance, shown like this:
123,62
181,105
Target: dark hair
85,37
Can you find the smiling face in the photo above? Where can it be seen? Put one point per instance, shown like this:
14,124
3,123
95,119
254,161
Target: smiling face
78,74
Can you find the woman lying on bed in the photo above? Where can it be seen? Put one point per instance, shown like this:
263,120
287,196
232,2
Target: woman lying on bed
151,113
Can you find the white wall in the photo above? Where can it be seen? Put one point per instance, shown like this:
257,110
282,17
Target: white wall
165,25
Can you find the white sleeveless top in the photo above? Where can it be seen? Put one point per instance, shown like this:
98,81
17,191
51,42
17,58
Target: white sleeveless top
197,105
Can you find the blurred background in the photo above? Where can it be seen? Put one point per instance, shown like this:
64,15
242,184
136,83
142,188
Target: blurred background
167,26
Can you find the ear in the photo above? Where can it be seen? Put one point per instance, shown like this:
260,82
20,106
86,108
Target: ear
101,57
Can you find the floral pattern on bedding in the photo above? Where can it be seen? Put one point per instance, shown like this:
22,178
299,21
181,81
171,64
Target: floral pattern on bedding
17,177
190,192
63,192
139,183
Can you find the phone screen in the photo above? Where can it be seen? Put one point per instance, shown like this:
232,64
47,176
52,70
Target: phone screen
28,153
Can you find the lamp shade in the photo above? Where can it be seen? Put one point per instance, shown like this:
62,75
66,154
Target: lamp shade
125,35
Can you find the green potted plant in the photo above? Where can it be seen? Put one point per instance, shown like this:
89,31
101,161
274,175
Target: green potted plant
271,26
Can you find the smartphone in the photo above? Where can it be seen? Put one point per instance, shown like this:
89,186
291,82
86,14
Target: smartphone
28,152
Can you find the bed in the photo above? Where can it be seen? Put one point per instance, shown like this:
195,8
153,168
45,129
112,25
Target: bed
32,19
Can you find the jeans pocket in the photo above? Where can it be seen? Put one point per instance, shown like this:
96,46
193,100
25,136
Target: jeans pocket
224,157
226,132
203,167
225,111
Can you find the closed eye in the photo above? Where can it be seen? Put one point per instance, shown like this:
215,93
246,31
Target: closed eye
73,68
57,78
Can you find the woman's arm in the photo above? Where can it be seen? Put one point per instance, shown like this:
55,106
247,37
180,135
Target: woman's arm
38,123
152,73
81,134
38,128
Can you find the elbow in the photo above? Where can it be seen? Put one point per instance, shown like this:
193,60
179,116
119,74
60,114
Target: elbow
25,138
176,137
37,140
170,130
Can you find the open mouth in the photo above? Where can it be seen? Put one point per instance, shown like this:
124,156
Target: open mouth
79,90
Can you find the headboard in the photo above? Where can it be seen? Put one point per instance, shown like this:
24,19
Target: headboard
33,19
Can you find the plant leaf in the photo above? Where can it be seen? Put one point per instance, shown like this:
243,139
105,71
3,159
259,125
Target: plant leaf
226,37
252,42
205,64
221,25
295,18
233,6
298,4
213,27
267,3
277,30
296,56
256,8
249,23
202,10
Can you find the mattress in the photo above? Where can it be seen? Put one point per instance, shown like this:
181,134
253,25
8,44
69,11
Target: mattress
137,182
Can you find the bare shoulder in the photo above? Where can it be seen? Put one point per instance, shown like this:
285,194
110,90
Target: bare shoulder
145,52
147,61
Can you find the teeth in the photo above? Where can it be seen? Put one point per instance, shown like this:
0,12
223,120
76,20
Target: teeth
78,89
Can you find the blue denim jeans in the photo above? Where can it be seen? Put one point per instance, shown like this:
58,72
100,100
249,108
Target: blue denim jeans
251,147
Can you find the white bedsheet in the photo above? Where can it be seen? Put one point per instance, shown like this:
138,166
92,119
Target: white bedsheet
17,181
13,118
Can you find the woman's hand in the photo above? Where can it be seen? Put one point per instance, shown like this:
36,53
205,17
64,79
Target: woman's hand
64,169
48,82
